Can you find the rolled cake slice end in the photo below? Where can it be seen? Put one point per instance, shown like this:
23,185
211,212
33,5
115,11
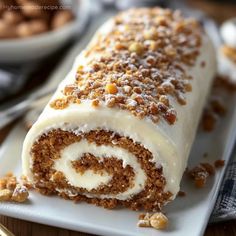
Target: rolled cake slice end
119,129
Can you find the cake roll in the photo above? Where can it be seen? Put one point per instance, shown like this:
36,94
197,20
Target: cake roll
119,128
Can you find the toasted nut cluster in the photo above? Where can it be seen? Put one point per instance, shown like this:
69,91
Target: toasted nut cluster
138,48
25,182
95,102
31,17
208,120
140,63
20,194
219,163
5,195
214,110
111,88
157,220
8,182
144,220
200,174
181,194
59,103
12,190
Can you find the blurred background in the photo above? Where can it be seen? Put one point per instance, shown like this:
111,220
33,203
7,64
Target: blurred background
39,39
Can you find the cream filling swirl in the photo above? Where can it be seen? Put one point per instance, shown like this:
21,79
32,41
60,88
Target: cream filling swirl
91,180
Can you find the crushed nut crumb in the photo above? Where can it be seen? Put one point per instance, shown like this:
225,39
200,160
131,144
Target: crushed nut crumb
219,163
20,194
12,190
200,174
60,103
111,88
159,221
5,195
181,194
156,220
95,102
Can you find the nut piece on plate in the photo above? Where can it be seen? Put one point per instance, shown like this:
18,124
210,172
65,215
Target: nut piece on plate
157,220
61,18
20,194
200,173
219,163
5,195
144,220
12,190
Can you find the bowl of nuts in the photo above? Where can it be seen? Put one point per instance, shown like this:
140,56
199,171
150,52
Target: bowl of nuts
33,29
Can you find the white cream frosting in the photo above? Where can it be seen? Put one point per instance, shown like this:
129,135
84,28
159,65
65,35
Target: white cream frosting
169,144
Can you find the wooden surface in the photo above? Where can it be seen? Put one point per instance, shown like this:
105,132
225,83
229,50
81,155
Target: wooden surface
24,228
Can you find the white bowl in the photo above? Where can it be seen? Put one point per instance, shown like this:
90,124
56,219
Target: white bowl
228,32
39,46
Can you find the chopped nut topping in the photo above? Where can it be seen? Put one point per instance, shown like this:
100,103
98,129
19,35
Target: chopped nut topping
59,103
25,182
11,183
209,168
5,194
219,163
95,103
20,194
8,181
170,116
157,220
150,34
136,47
181,194
208,121
139,59
218,107
200,173
144,220
69,89
214,110
11,190
111,88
